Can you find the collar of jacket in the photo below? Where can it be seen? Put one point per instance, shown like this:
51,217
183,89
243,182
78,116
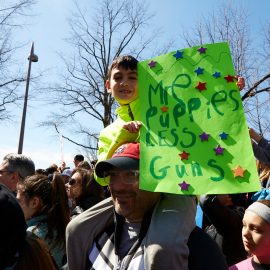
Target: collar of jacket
129,112
35,220
119,222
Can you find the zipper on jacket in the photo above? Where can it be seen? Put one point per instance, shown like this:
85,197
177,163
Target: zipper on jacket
130,113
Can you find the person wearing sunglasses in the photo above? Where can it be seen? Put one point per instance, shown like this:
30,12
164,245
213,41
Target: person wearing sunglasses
117,232
83,191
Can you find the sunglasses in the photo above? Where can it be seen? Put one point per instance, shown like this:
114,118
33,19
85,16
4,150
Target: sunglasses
72,181
127,177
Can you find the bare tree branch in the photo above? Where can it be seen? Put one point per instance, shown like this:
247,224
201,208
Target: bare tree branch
114,29
11,14
81,145
228,24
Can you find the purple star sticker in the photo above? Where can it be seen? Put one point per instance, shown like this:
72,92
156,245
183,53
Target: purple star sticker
204,136
178,55
184,185
152,64
202,50
219,150
199,71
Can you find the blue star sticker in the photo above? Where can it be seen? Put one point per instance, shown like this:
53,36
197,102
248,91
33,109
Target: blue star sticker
199,70
223,136
217,74
178,55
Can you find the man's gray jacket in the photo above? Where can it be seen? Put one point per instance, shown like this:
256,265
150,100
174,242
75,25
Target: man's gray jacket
171,213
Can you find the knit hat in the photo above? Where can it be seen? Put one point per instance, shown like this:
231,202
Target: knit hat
12,227
126,157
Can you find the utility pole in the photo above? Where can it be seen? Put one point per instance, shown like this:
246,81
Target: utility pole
32,58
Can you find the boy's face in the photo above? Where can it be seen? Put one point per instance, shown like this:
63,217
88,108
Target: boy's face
123,85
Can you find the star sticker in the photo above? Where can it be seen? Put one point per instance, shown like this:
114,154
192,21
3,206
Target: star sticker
229,78
178,55
223,136
164,108
219,150
201,86
202,50
184,155
217,74
152,64
204,136
238,171
184,185
199,70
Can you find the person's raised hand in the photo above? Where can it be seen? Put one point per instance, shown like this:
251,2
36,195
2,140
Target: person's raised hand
133,126
240,82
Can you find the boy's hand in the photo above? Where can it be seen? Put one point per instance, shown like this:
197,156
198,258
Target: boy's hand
133,126
240,82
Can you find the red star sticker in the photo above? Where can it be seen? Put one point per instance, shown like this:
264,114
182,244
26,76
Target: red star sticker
184,155
229,78
238,172
201,86
164,108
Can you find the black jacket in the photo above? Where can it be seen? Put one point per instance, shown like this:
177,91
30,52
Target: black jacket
225,226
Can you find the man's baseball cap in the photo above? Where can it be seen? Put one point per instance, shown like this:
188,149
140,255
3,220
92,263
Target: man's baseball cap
126,157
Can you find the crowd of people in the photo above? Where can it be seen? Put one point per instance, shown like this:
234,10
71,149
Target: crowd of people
95,216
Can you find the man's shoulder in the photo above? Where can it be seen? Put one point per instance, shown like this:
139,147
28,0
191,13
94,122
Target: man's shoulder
83,229
102,211
204,253
6,192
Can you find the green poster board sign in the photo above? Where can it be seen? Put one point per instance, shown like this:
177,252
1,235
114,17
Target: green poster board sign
194,138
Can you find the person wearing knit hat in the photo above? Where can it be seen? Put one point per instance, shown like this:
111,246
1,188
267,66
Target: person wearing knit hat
256,237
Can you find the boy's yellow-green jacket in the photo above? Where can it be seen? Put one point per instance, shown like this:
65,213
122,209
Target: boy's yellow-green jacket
114,135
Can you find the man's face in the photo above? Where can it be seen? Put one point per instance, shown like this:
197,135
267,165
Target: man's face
7,177
129,201
123,85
